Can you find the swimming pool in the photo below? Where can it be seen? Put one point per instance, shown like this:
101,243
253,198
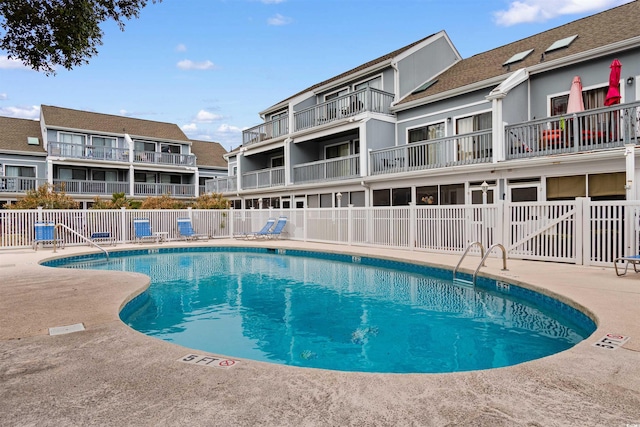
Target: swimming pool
336,311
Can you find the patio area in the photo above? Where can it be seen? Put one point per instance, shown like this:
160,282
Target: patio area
110,374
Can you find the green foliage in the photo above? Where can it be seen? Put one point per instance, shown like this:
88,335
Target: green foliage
118,200
163,202
46,197
46,33
210,201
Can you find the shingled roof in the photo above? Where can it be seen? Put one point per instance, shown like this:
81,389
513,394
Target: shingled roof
356,70
602,29
97,122
14,134
209,153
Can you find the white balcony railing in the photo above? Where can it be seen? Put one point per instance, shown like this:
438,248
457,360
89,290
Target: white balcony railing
73,186
463,149
327,170
271,177
156,189
360,101
88,152
221,184
600,128
19,184
267,130
164,158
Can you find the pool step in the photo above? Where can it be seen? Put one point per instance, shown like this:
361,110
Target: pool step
463,283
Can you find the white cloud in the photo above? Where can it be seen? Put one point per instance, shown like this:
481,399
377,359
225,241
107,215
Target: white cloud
543,10
191,127
204,116
272,1
11,64
181,48
225,128
3,96
278,20
187,64
32,112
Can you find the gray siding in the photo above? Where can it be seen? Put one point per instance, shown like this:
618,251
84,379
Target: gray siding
380,134
422,65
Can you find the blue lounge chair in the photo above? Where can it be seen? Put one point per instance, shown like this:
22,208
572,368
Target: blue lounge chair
276,232
263,232
185,229
627,260
142,228
45,232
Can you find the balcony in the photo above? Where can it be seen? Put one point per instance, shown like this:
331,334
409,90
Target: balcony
157,158
463,149
19,184
363,100
159,189
96,152
271,177
222,184
89,152
596,129
327,170
91,187
265,131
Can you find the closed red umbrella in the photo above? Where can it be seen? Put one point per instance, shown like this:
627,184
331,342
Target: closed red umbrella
613,94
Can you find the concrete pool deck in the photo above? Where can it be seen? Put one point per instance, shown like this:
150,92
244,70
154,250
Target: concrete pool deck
110,374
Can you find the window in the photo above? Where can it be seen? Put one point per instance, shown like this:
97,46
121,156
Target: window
607,186
99,141
558,44
400,196
339,150
168,148
424,133
277,162
337,94
170,179
72,174
144,146
375,83
20,171
71,138
110,176
452,194
592,98
144,177
313,201
381,198
477,146
356,198
427,195
326,200
517,57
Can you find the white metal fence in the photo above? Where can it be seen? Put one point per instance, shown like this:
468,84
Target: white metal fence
579,232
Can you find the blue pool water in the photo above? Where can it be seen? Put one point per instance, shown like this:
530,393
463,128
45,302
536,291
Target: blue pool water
337,311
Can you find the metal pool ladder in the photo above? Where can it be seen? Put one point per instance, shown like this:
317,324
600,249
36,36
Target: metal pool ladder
482,261
72,231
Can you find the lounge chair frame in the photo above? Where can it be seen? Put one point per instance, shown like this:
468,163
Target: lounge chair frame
627,260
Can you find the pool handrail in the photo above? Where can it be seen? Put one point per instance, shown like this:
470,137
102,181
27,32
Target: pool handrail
72,231
472,244
504,259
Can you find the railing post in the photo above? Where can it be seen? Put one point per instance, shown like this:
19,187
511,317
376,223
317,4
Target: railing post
305,222
350,224
412,225
39,213
123,224
582,231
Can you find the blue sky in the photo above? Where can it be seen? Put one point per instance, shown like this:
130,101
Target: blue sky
211,65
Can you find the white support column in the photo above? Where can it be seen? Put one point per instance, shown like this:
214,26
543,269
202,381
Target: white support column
287,161
497,132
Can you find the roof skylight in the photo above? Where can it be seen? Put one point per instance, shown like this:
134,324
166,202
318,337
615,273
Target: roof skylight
424,86
518,57
558,44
